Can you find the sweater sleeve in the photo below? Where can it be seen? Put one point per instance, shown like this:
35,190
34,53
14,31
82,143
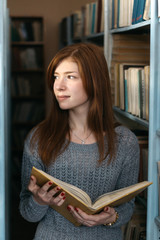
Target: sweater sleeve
128,176
29,208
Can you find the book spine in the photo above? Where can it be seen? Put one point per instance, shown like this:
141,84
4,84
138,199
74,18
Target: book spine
135,5
140,11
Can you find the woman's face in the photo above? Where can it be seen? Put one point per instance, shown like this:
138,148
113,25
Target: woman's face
68,87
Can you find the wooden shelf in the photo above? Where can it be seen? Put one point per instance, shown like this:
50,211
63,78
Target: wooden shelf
27,43
137,26
132,117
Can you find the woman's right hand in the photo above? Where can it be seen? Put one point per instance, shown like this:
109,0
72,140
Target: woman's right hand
43,195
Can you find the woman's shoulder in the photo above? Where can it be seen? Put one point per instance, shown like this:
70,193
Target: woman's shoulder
30,134
29,143
125,135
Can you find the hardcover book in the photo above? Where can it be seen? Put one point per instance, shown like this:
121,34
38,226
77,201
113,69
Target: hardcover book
78,198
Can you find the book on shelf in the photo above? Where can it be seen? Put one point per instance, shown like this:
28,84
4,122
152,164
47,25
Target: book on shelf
140,11
99,16
26,58
26,30
78,198
93,17
115,13
147,80
136,227
127,12
102,16
77,24
146,14
128,87
143,145
128,49
130,11
134,13
88,20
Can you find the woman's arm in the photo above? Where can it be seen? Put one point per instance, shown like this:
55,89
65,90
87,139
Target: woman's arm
30,209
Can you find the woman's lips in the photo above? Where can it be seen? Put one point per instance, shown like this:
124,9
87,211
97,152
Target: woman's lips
63,97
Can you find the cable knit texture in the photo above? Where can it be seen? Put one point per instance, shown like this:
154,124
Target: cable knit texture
78,166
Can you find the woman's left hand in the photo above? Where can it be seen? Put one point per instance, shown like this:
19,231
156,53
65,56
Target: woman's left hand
108,215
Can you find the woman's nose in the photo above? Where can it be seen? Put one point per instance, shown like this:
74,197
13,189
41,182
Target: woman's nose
61,83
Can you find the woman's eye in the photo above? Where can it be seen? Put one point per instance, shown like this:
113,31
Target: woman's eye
55,77
70,77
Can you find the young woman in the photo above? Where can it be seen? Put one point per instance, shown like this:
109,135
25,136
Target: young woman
79,143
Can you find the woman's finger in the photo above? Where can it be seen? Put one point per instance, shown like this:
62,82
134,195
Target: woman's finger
32,186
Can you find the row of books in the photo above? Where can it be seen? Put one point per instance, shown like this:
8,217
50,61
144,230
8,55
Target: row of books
129,49
86,21
127,12
132,88
27,85
26,58
28,112
26,30
136,227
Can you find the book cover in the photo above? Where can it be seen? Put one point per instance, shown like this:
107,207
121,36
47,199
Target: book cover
147,79
78,198
102,17
134,13
99,13
116,13
140,11
130,85
93,17
112,25
146,15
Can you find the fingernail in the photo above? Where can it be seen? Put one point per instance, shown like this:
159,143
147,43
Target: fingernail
31,178
50,183
62,194
106,209
76,209
69,209
64,198
58,188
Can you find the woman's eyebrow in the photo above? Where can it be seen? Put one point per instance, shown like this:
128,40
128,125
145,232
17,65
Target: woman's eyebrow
68,72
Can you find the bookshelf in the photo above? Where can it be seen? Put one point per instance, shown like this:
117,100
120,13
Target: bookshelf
83,25
152,28
28,101
66,35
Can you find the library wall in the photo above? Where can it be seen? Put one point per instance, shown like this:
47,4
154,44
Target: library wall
52,12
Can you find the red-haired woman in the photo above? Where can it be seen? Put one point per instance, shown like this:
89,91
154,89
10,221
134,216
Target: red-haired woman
79,143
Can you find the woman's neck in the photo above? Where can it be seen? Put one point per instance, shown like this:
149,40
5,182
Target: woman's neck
79,130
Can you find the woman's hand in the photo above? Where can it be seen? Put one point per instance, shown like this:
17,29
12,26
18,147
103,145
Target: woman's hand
43,195
108,215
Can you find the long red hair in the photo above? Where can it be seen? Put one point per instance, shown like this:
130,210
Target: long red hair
51,133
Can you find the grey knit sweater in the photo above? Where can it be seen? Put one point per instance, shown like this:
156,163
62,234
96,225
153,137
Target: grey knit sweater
78,166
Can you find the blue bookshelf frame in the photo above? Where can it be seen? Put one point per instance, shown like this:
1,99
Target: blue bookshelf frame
4,127
154,125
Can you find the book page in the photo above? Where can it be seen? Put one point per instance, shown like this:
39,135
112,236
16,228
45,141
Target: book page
120,194
77,192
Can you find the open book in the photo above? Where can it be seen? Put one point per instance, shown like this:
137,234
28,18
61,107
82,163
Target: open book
78,198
